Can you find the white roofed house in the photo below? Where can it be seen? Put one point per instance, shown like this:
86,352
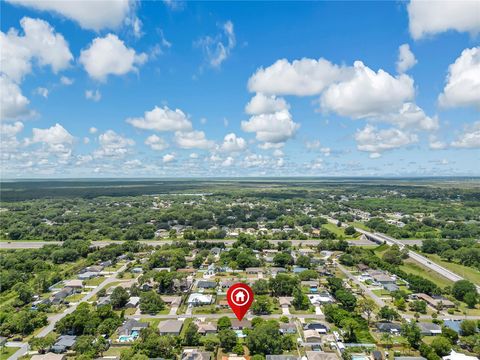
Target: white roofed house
198,299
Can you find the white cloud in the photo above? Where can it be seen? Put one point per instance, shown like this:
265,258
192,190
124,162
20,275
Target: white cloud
162,119
156,142
433,17
232,143
436,144
39,42
368,93
312,145
86,140
470,138
9,130
278,153
168,158
113,145
93,130
463,80
301,77
375,141
53,136
193,156
109,56
263,104
13,104
217,49
271,128
94,15
228,162
64,80
42,92
93,95
411,116
174,5
406,58
192,140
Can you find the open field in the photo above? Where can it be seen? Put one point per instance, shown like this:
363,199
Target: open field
468,273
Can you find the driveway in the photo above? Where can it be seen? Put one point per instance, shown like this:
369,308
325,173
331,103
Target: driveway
285,310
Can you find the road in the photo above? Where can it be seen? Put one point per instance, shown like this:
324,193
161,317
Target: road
52,320
380,303
448,274
23,349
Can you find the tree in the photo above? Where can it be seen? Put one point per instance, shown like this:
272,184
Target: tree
283,285
151,302
400,304
210,342
192,337
461,288
346,298
228,339
119,297
265,339
24,292
41,344
468,327
471,299
350,230
411,332
238,349
282,259
300,300
261,305
85,345
366,305
388,314
387,339
419,306
260,287
335,284
304,261
224,323
349,326
441,345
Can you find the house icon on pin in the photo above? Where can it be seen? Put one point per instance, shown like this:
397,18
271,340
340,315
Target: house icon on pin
240,297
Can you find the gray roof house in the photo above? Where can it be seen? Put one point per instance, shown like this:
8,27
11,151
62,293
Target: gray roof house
388,327
64,342
206,284
429,328
170,327
131,325
195,354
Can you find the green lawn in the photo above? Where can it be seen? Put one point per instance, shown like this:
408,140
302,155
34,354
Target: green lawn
75,297
339,231
6,352
95,281
468,273
412,267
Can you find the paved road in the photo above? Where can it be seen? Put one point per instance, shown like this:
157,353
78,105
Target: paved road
53,319
23,349
381,238
216,316
362,286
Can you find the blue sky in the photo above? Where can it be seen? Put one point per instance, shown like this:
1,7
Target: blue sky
160,89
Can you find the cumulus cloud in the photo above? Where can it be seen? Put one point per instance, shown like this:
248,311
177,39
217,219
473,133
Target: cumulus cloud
113,145
64,80
52,136
435,144
470,138
301,77
217,49
93,95
411,116
375,141
463,81
271,128
265,104
94,15
368,93
93,130
109,56
39,42
192,140
228,162
13,104
232,143
406,58
156,142
162,119
433,17
168,158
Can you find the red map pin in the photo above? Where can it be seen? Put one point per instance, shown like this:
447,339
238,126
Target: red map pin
240,297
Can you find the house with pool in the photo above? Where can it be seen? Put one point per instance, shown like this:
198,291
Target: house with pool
130,330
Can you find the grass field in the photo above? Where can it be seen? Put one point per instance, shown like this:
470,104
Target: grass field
6,352
467,272
412,267
334,229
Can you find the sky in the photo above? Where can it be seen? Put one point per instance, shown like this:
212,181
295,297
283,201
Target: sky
122,88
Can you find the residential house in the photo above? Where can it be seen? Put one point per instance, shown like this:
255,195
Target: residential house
240,325
132,302
458,356
205,328
288,328
105,300
320,355
319,327
311,284
388,327
298,269
312,336
282,357
131,326
75,284
63,343
48,356
60,296
202,284
377,355
170,327
429,328
195,354
277,270
437,302
321,298
197,299
285,301
88,275
254,270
